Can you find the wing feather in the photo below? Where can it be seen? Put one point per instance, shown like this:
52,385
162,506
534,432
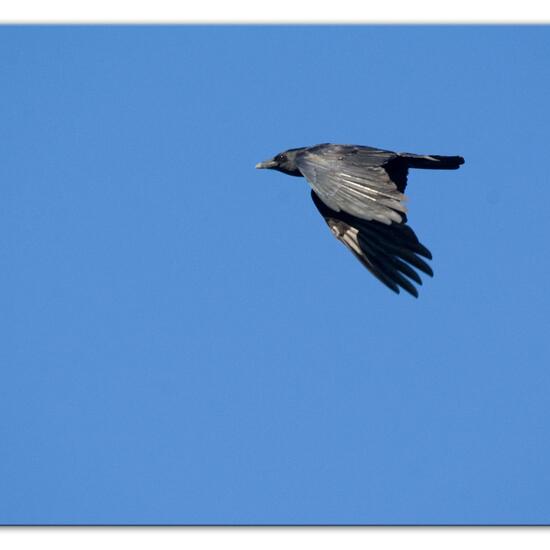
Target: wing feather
354,180
391,252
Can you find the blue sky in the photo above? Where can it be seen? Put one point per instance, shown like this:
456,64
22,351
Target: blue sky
183,339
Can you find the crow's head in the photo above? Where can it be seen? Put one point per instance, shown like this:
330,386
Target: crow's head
284,162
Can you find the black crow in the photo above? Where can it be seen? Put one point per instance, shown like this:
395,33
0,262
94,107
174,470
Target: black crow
359,191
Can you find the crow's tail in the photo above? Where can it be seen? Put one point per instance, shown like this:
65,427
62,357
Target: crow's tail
432,162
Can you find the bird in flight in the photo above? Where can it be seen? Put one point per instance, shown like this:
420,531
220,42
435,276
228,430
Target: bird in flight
359,191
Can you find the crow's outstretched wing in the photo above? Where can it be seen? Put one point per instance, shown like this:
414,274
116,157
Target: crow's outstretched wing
390,252
365,182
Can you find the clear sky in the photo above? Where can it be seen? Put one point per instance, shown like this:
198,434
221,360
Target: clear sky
183,340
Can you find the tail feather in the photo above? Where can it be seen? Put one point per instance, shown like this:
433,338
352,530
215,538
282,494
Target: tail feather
432,162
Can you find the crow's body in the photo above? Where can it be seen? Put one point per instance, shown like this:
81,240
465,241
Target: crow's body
359,192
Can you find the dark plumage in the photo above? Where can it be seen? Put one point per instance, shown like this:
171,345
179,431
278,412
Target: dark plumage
359,192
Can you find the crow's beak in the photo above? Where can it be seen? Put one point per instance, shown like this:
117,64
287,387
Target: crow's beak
267,164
